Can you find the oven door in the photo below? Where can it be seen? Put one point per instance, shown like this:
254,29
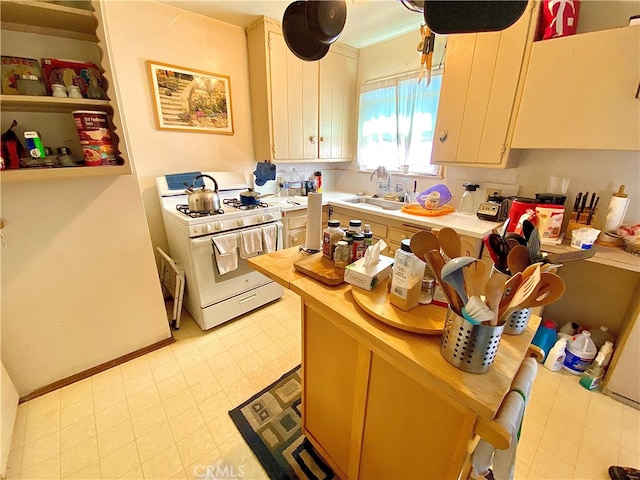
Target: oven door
213,287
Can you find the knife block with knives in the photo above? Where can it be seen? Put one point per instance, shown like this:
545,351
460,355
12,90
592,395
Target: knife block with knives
583,214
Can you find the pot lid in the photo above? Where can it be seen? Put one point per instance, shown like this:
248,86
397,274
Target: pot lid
468,16
297,35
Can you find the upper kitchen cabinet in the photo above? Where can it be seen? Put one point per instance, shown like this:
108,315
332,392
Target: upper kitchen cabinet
481,90
582,92
302,111
38,29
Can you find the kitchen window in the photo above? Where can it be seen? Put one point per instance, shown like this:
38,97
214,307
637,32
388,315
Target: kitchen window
396,122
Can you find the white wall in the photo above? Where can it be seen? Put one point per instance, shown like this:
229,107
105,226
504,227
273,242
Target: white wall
8,406
79,281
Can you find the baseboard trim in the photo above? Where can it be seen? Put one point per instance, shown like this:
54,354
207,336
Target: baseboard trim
97,369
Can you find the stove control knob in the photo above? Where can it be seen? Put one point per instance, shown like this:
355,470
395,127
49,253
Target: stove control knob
206,227
260,218
241,222
217,226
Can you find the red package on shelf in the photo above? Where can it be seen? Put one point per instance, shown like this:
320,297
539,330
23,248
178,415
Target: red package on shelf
559,18
85,75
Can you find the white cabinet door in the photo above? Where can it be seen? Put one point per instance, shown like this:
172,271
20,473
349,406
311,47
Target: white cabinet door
337,106
581,92
294,106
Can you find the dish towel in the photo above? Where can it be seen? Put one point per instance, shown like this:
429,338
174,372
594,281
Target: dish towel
225,248
264,171
270,238
510,417
250,242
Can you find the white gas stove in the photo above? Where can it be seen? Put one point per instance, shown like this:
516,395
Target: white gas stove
220,287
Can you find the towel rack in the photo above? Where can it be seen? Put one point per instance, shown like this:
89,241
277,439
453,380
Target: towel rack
172,280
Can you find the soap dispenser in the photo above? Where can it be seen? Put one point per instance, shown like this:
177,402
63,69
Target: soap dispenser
468,198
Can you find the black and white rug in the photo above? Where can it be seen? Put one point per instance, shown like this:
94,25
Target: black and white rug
271,424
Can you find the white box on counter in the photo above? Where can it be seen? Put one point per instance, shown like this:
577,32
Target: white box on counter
368,277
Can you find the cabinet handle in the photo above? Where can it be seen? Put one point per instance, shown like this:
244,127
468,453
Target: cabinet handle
312,139
638,92
322,139
443,136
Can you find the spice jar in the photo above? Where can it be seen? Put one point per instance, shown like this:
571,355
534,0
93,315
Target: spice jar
330,236
341,255
426,293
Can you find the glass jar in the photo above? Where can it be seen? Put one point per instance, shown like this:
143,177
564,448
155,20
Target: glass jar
64,157
408,272
368,235
359,246
467,202
426,293
341,255
330,236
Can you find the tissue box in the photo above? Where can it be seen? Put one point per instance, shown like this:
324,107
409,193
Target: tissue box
368,277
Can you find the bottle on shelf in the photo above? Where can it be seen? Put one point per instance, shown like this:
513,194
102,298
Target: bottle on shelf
368,235
330,236
607,350
545,336
406,283
600,335
592,377
341,256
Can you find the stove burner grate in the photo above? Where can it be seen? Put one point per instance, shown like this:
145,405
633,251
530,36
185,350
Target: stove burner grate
185,209
235,203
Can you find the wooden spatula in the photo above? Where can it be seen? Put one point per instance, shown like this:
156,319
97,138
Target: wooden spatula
523,296
436,262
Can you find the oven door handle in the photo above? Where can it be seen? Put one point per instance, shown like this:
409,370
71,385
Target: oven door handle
201,241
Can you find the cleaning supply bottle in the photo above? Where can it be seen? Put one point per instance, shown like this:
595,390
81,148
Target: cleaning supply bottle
607,350
467,203
600,335
591,378
545,336
580,352
556,356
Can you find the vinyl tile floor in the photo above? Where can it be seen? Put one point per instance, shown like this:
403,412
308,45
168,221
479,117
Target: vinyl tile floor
165,415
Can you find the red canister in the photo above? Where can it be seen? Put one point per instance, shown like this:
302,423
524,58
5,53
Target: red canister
95,138
521,208
559,18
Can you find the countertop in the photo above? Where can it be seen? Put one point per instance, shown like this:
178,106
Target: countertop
469,225
417,355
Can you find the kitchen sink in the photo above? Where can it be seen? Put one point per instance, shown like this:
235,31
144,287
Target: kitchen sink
376,202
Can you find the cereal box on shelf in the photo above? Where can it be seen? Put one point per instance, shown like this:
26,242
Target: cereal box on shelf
85,75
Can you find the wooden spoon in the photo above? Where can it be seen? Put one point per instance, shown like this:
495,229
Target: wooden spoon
550,289
449,241
518,259
494,290
524,295
474,278
423,242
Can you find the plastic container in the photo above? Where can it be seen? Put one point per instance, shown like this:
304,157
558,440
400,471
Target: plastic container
443,192
368,235
426,292
95,138
355,226
583,238
545,337
467,203
556,356
408,272
359,247
592,377
330,236
580,352
341,255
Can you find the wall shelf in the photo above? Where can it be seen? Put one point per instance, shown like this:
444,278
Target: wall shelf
26,103
32,174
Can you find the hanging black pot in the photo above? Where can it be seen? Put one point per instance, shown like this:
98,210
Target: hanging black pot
297,35
469,16
326,19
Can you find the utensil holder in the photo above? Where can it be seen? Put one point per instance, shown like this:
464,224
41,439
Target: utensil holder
467,346
517,322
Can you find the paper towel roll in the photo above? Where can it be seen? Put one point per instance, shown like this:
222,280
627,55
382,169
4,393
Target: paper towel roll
615,213
314,221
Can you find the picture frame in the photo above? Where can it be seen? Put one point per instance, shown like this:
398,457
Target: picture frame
190,100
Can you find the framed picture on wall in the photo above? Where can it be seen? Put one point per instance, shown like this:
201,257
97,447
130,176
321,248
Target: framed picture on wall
190,100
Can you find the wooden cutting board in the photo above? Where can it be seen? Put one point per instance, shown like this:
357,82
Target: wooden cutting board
426,319
318,267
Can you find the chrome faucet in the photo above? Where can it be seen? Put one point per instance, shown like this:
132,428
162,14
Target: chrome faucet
382,174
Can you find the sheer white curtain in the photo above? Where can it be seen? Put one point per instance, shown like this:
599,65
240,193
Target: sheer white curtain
396,122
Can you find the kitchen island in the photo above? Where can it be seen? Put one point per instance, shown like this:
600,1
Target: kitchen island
380,402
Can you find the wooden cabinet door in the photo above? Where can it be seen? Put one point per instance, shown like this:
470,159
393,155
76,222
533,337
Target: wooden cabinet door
581,92
337,100
479,95
329,387
294,105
